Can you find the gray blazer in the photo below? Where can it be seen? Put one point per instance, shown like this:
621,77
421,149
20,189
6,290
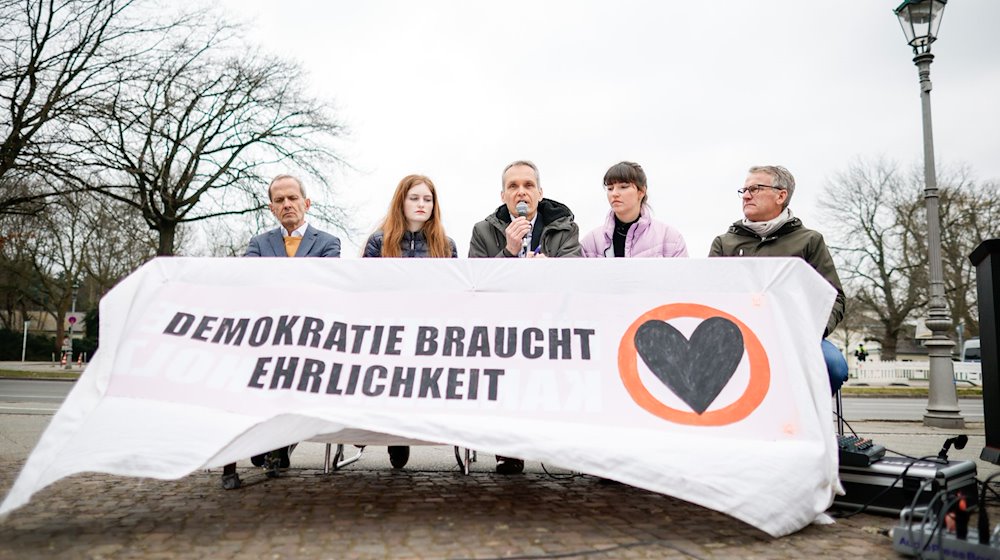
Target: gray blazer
315,243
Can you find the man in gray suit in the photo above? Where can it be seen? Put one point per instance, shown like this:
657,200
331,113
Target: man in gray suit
295,238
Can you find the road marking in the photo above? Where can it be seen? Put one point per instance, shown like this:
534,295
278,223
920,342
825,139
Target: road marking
20,409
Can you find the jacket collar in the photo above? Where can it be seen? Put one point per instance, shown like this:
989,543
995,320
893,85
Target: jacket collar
277,239
640,225
791,225
414,235
548,211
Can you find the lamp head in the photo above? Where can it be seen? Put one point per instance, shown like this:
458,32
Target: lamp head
920,20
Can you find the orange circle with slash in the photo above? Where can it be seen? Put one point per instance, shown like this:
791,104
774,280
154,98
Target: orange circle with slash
760,369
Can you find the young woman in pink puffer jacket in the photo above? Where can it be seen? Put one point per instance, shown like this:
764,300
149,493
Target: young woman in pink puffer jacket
630,230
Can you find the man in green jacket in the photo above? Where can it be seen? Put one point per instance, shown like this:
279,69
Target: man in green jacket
553,233
768,229
542,228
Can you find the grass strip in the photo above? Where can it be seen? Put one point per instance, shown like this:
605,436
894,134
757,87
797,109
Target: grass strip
53,374
906,392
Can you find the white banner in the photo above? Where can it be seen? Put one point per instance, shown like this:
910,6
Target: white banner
698,378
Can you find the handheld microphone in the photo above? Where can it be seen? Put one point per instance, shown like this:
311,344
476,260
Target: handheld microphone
522,211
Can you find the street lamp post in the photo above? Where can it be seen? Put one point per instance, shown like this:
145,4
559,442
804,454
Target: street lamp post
24,342
920,20
72,323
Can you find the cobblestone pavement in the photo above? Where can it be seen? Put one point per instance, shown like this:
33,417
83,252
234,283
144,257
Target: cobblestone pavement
364,513
427,510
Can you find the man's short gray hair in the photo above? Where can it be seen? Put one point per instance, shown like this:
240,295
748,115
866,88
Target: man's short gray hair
302,188
781,177
538,180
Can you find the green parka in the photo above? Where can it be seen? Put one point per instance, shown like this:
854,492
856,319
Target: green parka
560,235
791,240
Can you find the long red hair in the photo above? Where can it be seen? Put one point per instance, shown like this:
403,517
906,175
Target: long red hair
394,225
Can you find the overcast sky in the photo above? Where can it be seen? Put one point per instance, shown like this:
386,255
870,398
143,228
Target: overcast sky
694,91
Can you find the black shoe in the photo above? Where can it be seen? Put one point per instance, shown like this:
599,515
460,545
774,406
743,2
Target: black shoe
509,465
399,455
231,481
272,464
277,459
284,454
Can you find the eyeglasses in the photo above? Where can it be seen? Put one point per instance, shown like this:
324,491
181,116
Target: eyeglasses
754,189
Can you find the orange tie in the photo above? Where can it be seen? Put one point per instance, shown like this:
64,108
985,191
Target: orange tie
292,245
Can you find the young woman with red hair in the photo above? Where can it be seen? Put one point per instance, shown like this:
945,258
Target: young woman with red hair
412,228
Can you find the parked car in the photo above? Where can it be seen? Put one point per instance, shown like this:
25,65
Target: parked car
970,351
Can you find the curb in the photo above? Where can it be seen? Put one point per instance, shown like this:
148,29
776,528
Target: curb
73,379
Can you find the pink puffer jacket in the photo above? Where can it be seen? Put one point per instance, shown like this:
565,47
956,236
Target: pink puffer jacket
646,238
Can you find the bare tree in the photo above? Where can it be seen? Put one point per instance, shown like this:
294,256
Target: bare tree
880,227
207,239
75,239
196,137
970,213
55,55
16,269
856,325
122,242
166,113
55,252
874,214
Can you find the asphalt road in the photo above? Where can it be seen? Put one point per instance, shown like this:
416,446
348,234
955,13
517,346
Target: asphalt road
31,396
904,409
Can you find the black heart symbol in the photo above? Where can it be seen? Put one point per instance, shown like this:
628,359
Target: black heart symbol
695,371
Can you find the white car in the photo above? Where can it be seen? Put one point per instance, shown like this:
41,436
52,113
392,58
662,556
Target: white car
970,351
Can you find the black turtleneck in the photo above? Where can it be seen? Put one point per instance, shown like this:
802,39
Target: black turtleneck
621,232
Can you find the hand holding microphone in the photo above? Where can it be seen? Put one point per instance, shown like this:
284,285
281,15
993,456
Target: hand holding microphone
518,231
522,211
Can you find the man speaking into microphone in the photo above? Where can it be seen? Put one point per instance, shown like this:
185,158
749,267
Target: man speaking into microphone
525,225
